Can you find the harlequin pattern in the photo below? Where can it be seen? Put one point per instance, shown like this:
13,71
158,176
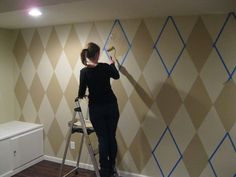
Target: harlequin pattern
172,80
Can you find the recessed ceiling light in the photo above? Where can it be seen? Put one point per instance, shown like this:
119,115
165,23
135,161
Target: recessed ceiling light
35,12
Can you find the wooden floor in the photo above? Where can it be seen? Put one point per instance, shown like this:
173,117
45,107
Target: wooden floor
51,169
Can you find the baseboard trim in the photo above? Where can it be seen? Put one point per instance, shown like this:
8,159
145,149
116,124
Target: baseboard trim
88,166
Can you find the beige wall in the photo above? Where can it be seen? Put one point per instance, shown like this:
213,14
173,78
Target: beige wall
194,105
7,94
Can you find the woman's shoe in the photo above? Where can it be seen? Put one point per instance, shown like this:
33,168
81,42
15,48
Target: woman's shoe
114,172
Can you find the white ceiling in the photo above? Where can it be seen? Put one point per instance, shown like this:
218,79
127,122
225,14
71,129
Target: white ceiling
13,13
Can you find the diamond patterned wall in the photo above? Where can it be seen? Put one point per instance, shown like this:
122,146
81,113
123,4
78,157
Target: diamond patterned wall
177,91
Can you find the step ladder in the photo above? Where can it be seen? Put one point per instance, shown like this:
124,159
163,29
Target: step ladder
85,128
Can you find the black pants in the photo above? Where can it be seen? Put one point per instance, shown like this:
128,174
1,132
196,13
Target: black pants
104,119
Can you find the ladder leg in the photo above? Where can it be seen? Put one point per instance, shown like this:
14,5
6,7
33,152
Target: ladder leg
92,155
67,145
80,151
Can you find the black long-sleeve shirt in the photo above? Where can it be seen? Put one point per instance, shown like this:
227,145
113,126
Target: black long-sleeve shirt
97,79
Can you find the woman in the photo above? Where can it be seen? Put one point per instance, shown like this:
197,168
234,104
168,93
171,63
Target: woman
103,107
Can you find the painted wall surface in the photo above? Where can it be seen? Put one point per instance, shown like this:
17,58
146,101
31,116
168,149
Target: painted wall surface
176,94
7,65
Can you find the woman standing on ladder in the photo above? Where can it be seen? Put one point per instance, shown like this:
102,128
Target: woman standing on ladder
103,107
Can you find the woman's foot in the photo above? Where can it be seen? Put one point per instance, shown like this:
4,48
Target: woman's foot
114,172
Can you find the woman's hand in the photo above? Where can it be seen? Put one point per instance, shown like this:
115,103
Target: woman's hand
112,60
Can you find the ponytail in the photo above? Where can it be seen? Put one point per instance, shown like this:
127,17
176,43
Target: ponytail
83,56
89,52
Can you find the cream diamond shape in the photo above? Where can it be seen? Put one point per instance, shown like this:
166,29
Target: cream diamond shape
45,71
83,30
167,153
128,123
153,125
151,169
128,164
46,114
131,74
211,131
233,132
155,69
48,148
207,172
63,116
61,152
131,27
63,71
29,111
213,77
184,74
182,128
28,71
223,160
180,170
103,28
226,43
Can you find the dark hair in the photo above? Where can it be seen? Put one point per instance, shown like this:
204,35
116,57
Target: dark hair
89,52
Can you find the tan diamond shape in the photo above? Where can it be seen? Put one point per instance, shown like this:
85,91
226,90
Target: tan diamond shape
36,49
20,49
198,103
55,136
225,105
37,92
142,45
75,138
72,48
94,36
21,91
168,101
54,93
195,157
169,44
71,92
199,44
22,118
53,48
140,150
